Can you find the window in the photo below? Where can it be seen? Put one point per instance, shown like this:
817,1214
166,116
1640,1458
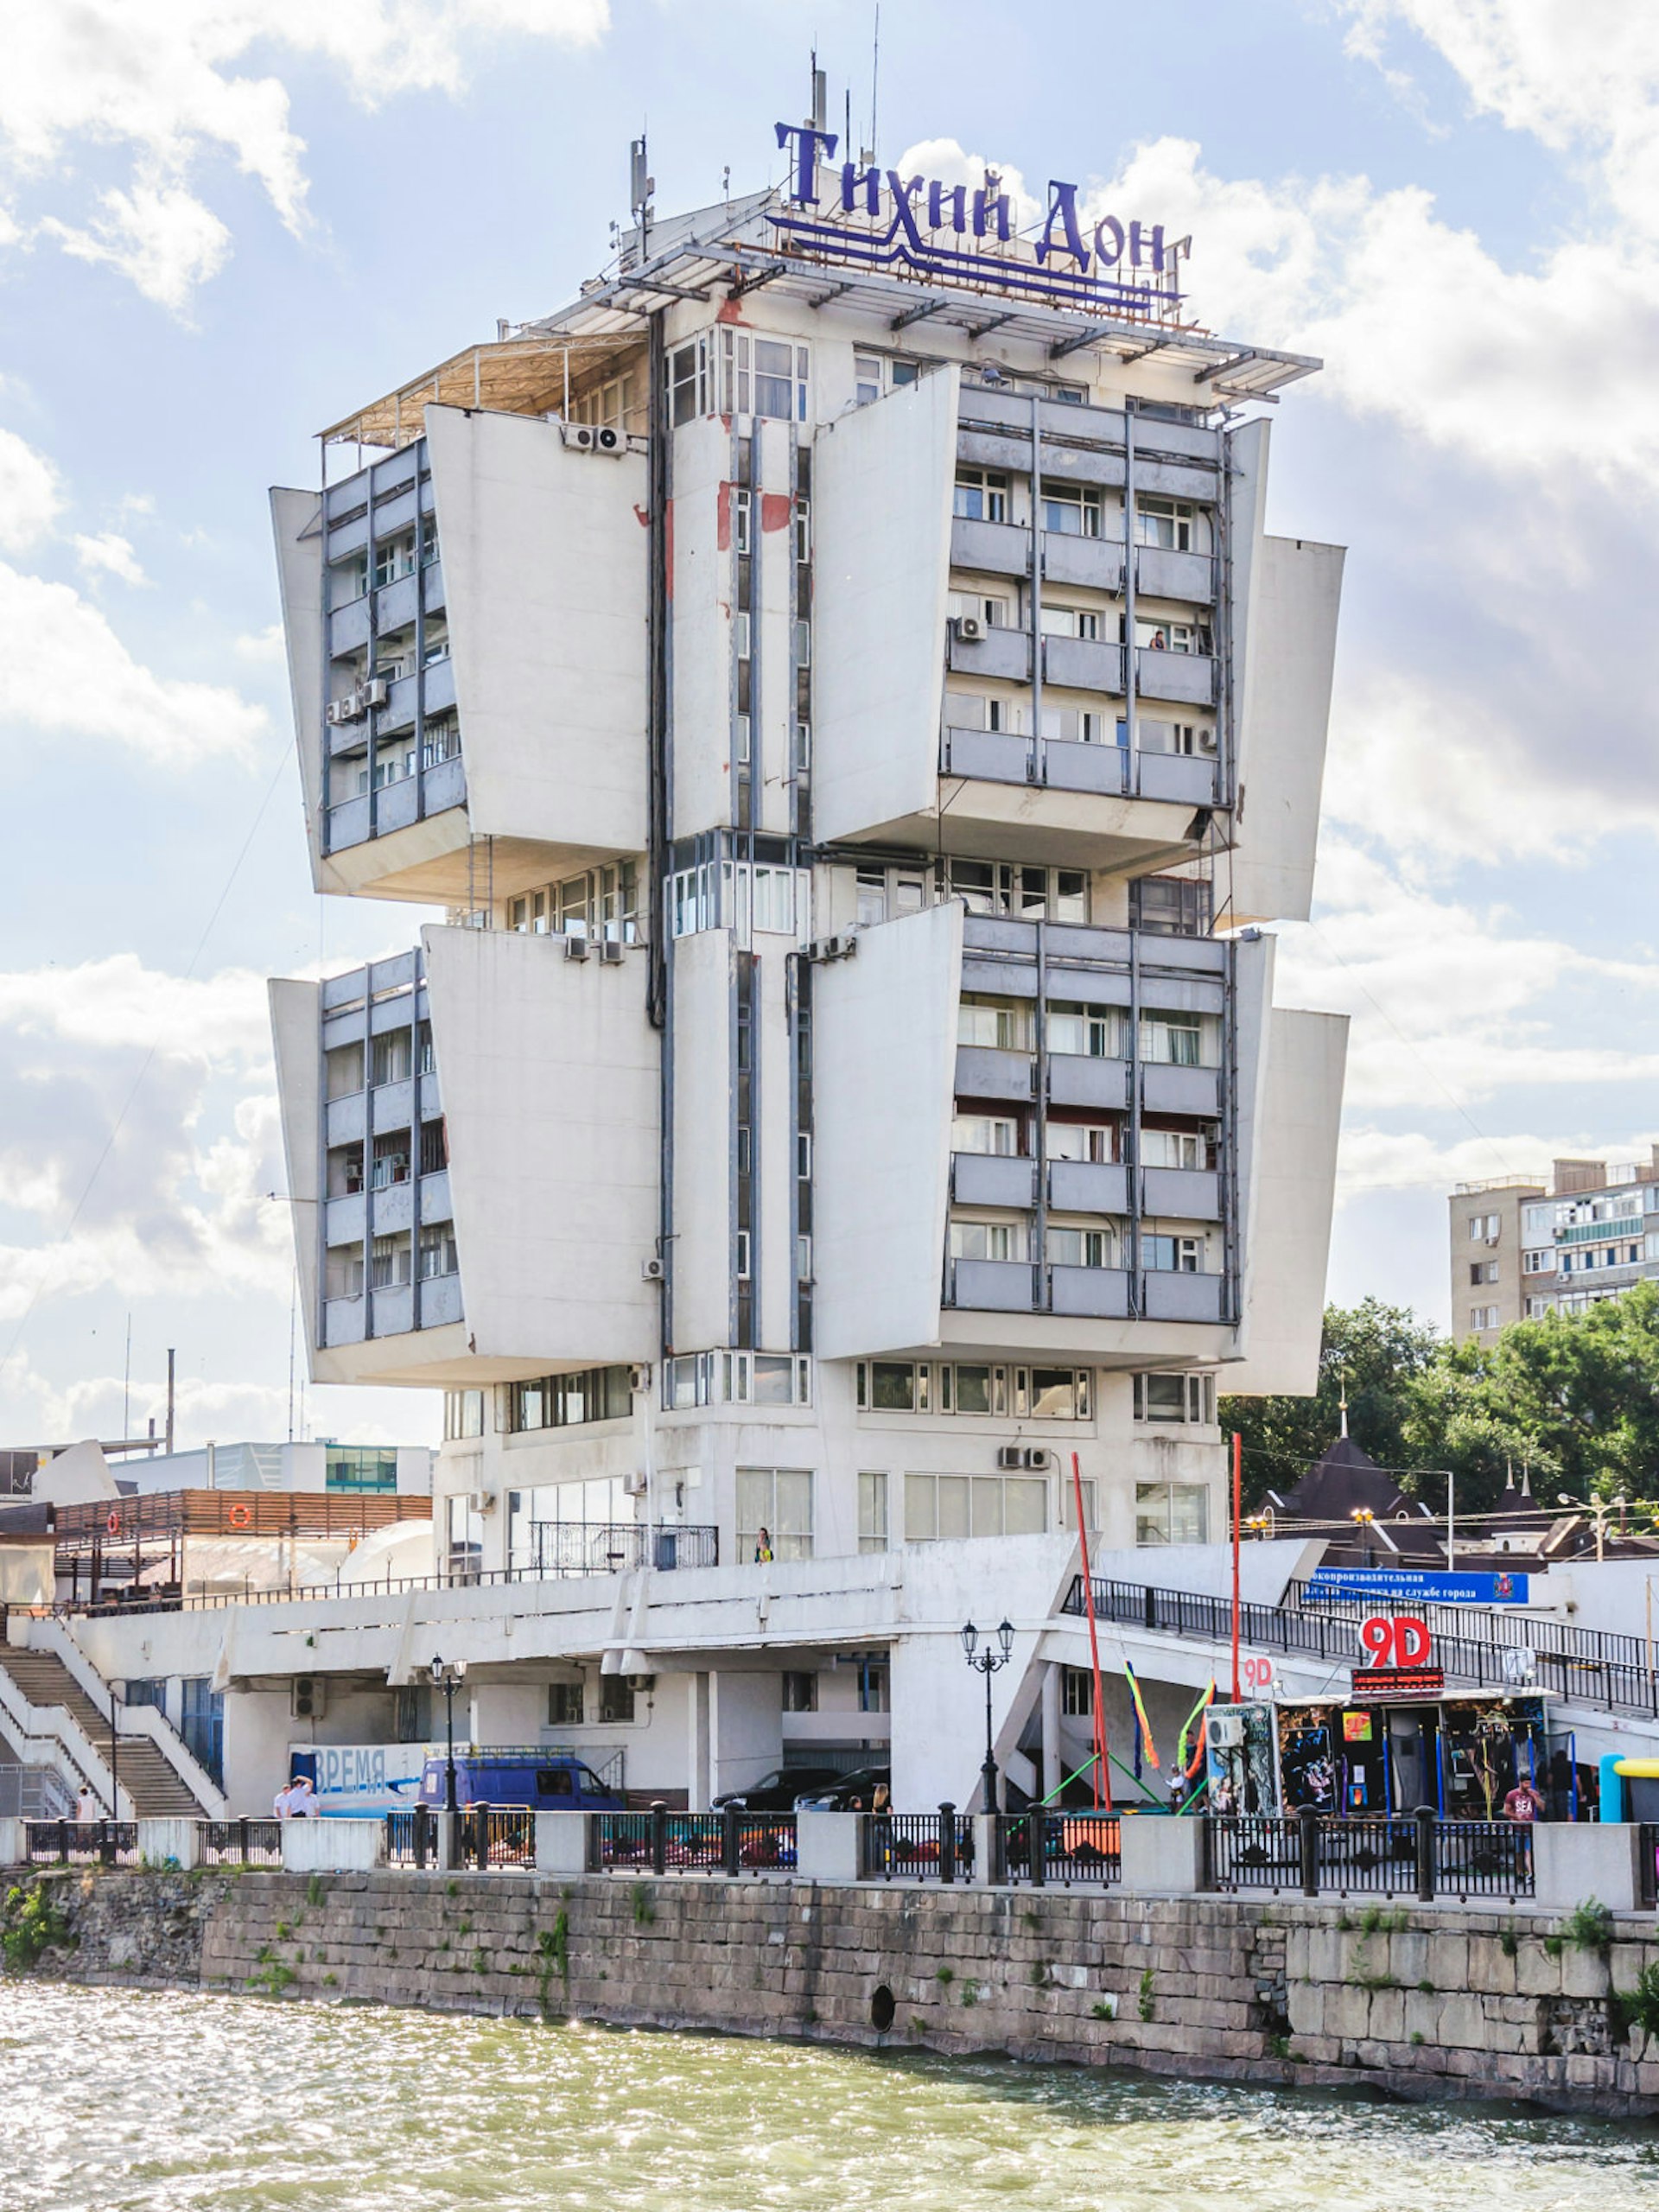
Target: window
687,375
883,892
1091,1140
391,1164
1537,1307
974,1390
873,1512
1484,1317
435,1147
1072,510
1165,1255
780,379
438,1253
1482,1271
389,1262
939,1508
742,522
871,1687
1538,1263
1080,1248
973,710
774,900
616,1700
389,1058
1176,1398
1089,1032
777,1500
463,1539
694,899
1483,1228
570,1528
463,1414
980,495
1166,523
343,1071
898,1386
1174,1040
1169,905
1077,1692
741,1259
343,1272
800,1692
1158,635
1055,1393
1001,1025
202,1723
569,1401
565,1704
1073,726
867,378
986,1133
988,607
1071,622
1173,1148
1172,1513
1061,894
1183,738
989,1240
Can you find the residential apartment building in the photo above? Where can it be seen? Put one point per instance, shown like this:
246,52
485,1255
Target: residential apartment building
1525,1246
855,723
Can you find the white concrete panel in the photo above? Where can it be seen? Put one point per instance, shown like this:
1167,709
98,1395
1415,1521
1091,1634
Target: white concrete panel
885,1044
881,516
774,1147
1294,1183
701,1251
293,1016
1253,962
80,1476
549,1072
544,569
295,521
1248,449
1287,710
701,582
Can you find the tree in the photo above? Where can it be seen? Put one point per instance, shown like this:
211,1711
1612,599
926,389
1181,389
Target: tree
1377,1353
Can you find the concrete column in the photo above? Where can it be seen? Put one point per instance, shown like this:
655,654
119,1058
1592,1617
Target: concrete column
1162,1856
1053,1764
177,1840
562,1843
1573,1860
826,1847
697,1787
984,1846
14,1850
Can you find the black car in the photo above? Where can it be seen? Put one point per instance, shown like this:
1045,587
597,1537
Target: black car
776,1792
838,1795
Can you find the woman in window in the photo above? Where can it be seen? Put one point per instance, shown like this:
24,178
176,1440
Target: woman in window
763,1549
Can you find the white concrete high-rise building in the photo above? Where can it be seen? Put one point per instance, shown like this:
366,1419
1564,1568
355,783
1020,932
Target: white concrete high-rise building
835,679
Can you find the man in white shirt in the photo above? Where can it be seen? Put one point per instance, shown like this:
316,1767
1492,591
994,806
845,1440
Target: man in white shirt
283,1803
301,1798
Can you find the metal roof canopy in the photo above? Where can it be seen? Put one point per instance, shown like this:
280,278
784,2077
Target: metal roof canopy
526,373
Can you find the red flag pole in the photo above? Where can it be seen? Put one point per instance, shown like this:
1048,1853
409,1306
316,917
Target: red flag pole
1238,1488
1102,1772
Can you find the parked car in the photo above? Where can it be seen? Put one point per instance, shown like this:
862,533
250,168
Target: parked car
777,1792
848,1793
547,1782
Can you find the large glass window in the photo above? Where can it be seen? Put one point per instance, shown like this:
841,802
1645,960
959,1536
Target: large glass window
989,1240
1073,509
1174,1040
568,1401
1004,1025
774,1512
873,1512
980,495
463,1414
565,1527
1080,1248
1175,1398
1168,1254
1090,1032
1172,1513
939,1508
463,1528
996,1133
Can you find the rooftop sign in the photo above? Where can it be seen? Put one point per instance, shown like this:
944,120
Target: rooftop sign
875,219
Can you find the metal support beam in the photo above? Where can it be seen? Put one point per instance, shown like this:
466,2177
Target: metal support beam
918,314
1224,368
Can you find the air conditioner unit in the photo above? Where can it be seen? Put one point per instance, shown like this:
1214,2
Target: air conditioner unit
576,948
1224,1732
338,711
1037,1457
614,951
650,1270
581,436
1010,1455
1208,741
481,1500
307,1697
609,441
639,1378
642,1685
376,690
969,628
633,1483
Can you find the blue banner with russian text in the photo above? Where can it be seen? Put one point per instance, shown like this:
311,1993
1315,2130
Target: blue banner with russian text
1427,1586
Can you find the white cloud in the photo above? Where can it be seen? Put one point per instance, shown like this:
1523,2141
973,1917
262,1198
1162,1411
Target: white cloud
161,78
264,647
64,671
108,554
30,494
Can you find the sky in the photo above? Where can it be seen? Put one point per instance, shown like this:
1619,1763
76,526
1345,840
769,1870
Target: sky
223,223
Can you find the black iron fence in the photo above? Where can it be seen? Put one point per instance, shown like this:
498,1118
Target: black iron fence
412,1838
1327,1633
496,1835
1059,1848
241,1843
1419,1856
916,1846
732,1841
105,1843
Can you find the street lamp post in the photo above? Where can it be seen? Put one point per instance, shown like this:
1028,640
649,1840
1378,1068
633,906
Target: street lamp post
1601,1511
448,1676
1364,1517
986,1661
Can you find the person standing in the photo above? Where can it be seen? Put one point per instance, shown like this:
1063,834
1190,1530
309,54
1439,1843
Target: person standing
86,1805
1523,1804
763,1549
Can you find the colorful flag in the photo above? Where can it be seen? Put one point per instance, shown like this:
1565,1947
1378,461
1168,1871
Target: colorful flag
1141,1714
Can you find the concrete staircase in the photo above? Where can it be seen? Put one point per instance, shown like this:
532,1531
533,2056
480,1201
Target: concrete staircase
158,1791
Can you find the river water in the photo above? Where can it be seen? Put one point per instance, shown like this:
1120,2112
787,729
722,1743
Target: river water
117,2099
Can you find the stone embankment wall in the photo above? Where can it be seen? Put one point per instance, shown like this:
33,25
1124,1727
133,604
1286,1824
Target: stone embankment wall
1425,2003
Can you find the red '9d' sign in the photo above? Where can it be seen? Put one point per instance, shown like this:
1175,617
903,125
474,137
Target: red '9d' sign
1401,1641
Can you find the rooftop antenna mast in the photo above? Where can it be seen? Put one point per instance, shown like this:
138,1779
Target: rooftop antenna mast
641,185
875,77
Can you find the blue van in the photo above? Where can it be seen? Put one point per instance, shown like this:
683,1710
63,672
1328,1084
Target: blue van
542,1781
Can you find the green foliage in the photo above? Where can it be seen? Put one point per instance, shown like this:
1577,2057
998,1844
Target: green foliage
1509,1943
1279,2047
1417,2038
32,1923
1574,1397
944,1975
283,1931
644,1913
1145,2002
1426,1987
1375,1920
1103,2011
316,1891
331,1981
1589,1926
1554,1946
1637,2007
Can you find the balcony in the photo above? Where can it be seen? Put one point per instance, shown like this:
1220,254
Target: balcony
996,548
1095,563
1075,1081
1087,1186
980,1179
983,1072
1166,1089
1101,1293
1181,1193
1000,653
1084,664
439,790
1187,678
1166,1297
991,1286
1162,574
